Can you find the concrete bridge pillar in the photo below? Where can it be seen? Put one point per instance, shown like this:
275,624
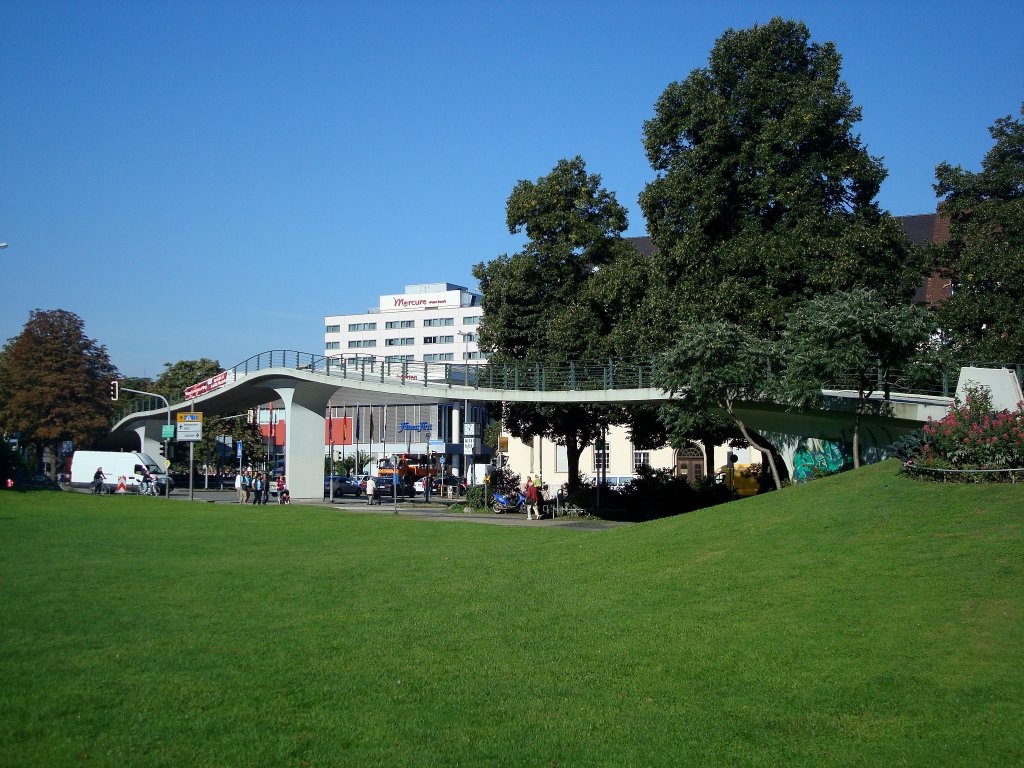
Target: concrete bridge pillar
305,408
150,437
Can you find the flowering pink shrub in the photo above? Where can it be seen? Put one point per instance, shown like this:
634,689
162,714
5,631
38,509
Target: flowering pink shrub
971,436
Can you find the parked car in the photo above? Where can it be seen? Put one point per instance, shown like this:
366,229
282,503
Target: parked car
343,486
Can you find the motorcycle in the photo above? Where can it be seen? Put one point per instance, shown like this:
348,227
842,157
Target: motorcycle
503,503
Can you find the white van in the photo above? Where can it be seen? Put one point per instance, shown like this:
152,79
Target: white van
131,465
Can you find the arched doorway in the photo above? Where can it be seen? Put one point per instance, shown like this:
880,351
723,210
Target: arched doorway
690,463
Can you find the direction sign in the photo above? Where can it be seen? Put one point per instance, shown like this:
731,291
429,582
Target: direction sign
167,431
190,426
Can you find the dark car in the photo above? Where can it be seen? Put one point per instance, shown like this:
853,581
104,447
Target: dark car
343,486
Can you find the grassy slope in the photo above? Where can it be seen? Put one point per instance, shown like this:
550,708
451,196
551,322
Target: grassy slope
863,619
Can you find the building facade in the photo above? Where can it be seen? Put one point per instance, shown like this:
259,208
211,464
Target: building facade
427,323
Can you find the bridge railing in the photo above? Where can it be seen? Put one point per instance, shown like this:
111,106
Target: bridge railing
930,379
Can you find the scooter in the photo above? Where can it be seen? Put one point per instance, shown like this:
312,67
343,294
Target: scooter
502,503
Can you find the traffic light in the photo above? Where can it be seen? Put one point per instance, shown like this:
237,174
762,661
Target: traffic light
115,387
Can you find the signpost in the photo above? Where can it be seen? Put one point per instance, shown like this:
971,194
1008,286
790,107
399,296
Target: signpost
190,430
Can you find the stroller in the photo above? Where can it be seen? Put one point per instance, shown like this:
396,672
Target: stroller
503,503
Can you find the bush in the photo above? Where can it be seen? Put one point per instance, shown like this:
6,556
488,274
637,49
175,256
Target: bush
971,436
655,493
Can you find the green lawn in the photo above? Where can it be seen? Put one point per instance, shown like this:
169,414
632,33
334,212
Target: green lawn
864,619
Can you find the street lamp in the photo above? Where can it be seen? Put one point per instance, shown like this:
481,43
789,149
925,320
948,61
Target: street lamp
465,414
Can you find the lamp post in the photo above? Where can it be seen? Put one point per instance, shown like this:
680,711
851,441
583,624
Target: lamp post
468,458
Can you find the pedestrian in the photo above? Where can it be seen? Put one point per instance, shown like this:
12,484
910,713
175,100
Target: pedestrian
283,496
371,490
257,488
545,499
239,488
97,480
266,488
531,499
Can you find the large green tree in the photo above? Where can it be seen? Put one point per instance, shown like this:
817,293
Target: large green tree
55,383
849,340
984,256
764,195
717,367
546,302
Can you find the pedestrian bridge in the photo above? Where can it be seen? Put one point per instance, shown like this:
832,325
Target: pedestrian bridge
306,382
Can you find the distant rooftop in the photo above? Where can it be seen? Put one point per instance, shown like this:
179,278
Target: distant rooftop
434,288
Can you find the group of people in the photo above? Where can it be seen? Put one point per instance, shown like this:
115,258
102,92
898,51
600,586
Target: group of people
146,482
537,499
254,488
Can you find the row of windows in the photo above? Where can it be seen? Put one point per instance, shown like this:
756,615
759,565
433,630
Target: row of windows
361,343
400,358
440,357
399,342
438,339
430,322
640,459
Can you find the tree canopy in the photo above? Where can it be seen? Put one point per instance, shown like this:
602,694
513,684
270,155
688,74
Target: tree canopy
848,340
764,196
55,382
984,256
546,302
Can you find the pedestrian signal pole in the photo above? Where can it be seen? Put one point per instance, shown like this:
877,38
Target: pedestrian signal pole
115,386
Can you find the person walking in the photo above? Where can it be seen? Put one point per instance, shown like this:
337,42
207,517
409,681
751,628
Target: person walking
266,488
531,500
239,488
257,488
371,490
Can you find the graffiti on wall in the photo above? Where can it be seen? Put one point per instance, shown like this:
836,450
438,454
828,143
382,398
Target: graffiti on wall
822,455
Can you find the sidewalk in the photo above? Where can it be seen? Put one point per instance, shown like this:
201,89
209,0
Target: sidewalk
415,508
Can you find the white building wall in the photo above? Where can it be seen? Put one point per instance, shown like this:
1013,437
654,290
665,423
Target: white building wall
429,322
541,457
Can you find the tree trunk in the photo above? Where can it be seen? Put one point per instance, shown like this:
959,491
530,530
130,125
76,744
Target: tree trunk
572,454
765,451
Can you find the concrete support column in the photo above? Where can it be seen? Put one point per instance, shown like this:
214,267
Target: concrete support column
150,440
305,409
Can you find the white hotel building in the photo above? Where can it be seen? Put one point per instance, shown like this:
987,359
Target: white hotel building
431,323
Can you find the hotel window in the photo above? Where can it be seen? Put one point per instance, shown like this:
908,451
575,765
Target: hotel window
392,324
430,339
470,337
474,320
333,329
399,342
362,343
439,357
600,460
474,356
641,459
333,345
362,326
438,322
400,358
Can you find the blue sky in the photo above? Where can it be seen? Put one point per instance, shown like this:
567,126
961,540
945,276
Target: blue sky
209,179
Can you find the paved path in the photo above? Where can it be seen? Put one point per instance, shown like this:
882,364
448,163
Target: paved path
416,508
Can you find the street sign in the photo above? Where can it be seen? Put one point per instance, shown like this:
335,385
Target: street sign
469,429
167,431
436,445
441,459
469,446
238,449
190,427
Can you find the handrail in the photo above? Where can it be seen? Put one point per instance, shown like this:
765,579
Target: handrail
555,376
911,468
